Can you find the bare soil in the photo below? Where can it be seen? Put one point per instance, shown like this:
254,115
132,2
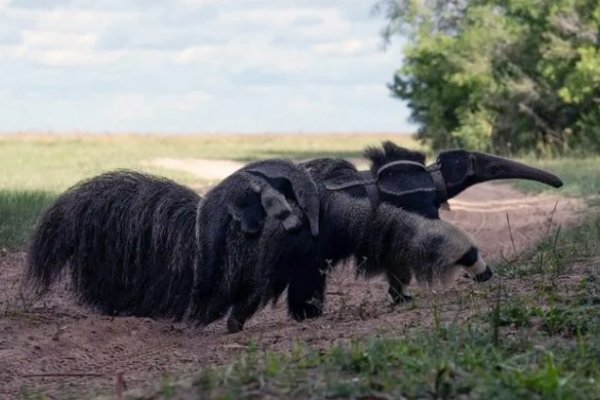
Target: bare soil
56,347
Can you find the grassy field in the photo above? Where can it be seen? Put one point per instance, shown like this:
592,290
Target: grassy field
519,351
53,163
35,169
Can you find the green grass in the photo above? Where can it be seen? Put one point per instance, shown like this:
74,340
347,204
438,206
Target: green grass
558,359
18,213
557,253
35,169
561,248
522,347
53,163
519,346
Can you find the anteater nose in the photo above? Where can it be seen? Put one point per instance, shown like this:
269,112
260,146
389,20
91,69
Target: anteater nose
485,275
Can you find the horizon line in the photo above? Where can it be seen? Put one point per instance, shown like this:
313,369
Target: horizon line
199,133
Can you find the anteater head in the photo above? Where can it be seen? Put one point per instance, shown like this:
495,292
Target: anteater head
475,265
443,250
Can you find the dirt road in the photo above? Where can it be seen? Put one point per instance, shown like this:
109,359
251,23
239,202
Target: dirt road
55,346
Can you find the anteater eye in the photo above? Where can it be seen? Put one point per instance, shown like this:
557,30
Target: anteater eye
469,258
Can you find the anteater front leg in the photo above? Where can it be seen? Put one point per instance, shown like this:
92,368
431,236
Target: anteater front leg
306,292
241,312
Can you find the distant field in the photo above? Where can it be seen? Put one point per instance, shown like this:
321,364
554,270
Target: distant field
36,168
54,162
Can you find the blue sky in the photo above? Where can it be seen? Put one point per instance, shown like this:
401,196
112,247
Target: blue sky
196,66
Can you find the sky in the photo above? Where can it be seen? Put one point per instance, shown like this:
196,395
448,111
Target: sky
183,66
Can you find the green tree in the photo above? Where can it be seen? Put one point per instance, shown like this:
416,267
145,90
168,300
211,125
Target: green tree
500,75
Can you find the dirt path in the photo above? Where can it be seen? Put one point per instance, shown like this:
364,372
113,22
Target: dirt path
209,170
54,346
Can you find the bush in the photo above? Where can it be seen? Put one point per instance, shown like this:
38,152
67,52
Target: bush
500,75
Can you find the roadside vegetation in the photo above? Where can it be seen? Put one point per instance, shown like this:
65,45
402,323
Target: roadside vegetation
518,351
18,213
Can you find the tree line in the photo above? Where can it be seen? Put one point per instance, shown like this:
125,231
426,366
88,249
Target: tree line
508,76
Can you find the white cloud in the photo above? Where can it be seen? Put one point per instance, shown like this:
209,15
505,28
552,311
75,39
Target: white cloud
325,23
70,20
194,65
350,47
196,54
187,102
60,49
137,106
61,40
66,58
242,53
204,3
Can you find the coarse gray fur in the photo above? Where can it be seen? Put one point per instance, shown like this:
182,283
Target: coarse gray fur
136,244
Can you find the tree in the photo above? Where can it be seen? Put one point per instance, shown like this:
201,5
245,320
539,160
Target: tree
500,75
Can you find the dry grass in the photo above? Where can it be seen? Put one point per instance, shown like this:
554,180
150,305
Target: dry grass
54,162
36,167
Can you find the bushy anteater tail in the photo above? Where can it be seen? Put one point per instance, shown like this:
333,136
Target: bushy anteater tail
49,250
128,241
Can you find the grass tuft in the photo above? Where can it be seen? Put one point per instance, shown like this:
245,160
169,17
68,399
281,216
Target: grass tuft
557,254
19,212
422,365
